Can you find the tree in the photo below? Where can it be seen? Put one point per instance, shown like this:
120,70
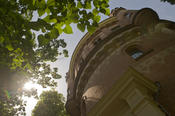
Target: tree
21,51
170,1
24,54
50,104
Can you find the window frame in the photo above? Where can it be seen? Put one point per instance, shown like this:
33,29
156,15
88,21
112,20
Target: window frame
144,51
134,52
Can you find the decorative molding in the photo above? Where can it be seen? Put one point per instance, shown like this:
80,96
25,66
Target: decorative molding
136,91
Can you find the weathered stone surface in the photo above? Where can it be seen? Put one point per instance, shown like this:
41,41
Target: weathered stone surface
101,59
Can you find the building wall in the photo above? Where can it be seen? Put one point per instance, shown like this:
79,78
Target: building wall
158,65
102,58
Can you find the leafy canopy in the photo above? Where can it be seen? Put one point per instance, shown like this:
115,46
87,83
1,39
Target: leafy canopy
50,104
22,50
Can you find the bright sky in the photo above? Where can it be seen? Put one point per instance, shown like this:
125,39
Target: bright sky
164,10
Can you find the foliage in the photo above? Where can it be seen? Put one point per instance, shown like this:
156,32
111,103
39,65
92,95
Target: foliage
50,104
19,48
7,103
24,54
170,1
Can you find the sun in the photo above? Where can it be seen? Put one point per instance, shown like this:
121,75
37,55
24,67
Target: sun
30,85
31,101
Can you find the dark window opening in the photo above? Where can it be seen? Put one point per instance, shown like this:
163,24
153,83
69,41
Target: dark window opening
97,41
135,52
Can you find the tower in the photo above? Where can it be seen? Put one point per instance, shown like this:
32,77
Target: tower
125,68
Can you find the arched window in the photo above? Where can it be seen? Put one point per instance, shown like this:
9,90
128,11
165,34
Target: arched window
135,52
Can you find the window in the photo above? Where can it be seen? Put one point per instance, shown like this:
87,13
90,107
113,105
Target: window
97,41
134,52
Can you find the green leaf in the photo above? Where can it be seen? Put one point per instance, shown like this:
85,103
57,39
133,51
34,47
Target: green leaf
1,39
34,26
50,3
103,10
55,69
68,29
91,28
57,76
42,40
96,3
75,19
79,5
53,20
97,18
62,43
88,5
34,2
95,11
81,27
9,47
107,11
58,27
47,19
54,33
41,12
41,4
43,30
65,52
47,11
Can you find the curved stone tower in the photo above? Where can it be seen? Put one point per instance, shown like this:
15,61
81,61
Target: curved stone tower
125,68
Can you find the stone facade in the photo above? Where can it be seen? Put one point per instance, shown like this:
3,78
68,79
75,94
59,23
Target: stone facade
135,39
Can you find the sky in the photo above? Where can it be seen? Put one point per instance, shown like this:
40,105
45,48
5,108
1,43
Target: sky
164,10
